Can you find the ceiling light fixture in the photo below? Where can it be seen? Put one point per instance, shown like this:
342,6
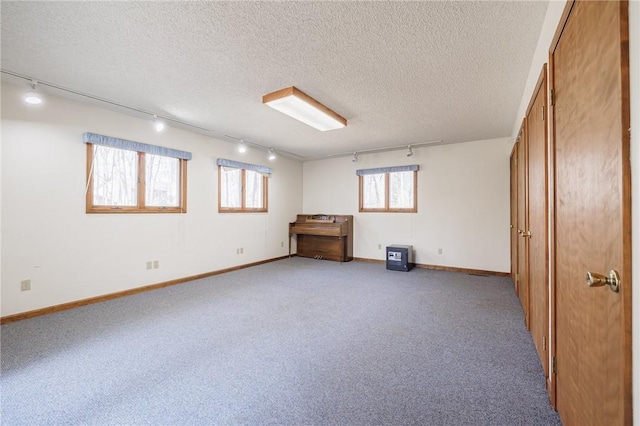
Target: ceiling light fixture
302,107
158,124
99,99
32,97
269,150
272,154
355,157
408,148
242,147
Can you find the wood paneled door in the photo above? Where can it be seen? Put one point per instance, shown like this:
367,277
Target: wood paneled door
523,242
590,83
514,216
537,230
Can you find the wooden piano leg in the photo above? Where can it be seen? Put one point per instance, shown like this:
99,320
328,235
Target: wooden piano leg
289,245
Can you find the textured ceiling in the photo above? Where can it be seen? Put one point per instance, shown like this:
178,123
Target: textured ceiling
400,72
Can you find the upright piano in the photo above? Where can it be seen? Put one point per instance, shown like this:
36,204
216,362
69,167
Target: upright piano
323,236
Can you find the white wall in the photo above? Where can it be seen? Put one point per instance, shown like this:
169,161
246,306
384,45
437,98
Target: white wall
540,57
463,204
70,255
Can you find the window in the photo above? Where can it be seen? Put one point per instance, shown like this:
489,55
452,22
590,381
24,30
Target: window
242,187
131,177
388,189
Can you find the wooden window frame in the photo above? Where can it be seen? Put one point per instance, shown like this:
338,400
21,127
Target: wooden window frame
243,208
386,208
141,207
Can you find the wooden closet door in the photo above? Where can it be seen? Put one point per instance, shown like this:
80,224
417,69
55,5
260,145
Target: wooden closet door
537,232
514,215
523,243
590,67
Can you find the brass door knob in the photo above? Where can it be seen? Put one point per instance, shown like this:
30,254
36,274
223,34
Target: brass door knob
598,280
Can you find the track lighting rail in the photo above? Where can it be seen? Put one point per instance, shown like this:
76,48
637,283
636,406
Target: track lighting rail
151,114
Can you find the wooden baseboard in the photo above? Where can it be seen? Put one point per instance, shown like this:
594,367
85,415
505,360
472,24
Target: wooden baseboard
70,305
444,268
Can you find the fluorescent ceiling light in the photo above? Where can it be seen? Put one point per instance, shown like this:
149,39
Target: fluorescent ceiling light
303,107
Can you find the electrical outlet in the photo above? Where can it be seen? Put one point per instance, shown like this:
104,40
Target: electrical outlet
149,265
379,246
156,264
25,285
439,251
241,250
281,243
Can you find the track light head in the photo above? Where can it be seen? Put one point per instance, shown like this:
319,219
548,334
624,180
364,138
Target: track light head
355,157
158,124
32,97
272,154
409,151
242,147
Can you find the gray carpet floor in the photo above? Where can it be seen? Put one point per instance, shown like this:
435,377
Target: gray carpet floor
293,342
